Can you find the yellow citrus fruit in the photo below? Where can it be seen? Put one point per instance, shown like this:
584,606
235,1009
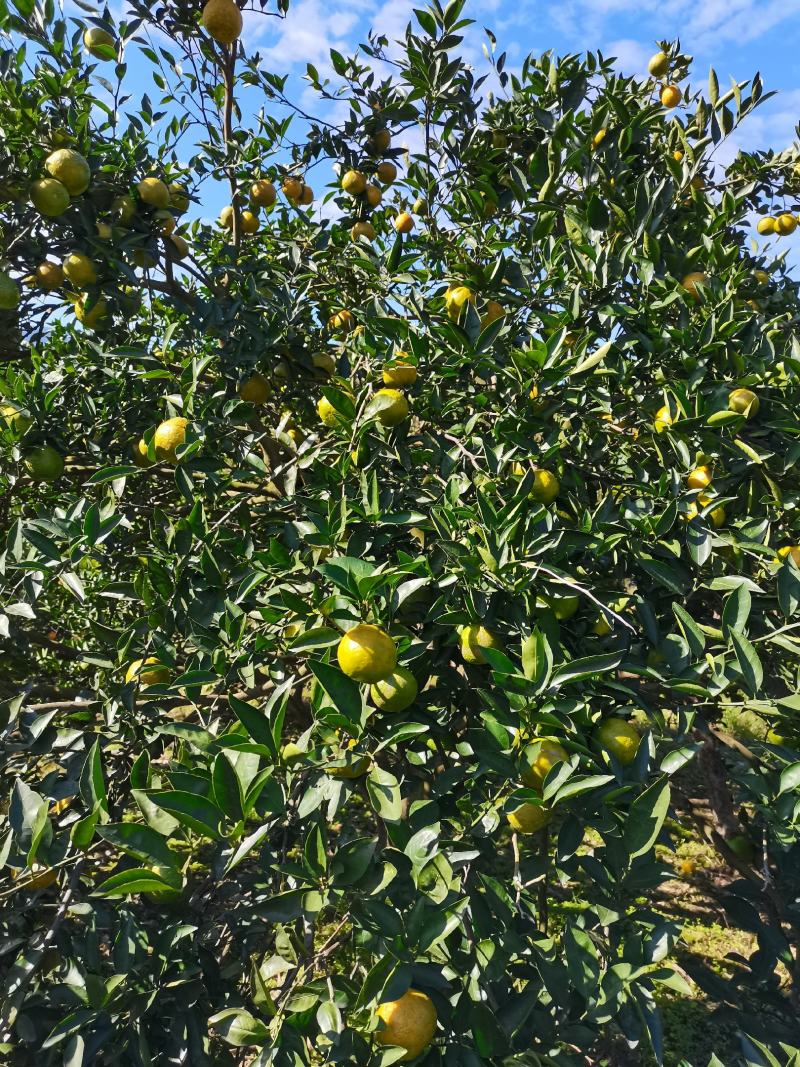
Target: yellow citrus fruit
249,222
341,321
539,758
124,207
420,206
222,20
324,363
354,182
179,246
49,275
528,818
367,653
399,372
744,401
292,188
94,316
70,168
671,96
307,195
456,298
226,217
169,436
380,141
263,193
386,172
143,258
396,692
9,292
545,486
328,413
601,627
348,765
761,277
139,453
96,38
393,407
362,229
374,195
409,1023
474,639
785,224
49,197
791,552
145,675
599,137
256,389
494,311
164,222
79,269
563,607
403,222
663,420
717,514
766,225
619,738
15,418
691,281
658,65
677,155
178,198
44,464
154,192
699,478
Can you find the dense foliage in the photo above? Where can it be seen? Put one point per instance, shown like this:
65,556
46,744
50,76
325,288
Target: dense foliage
519,401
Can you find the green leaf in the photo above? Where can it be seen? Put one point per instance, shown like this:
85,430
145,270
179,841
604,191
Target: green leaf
141,842
749,663
343,691
646,817
586,667
191,810
691,631
384,792
736,610
227,788
239,1028
136,880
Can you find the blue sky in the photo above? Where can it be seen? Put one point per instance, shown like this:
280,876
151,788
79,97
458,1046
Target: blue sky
736,37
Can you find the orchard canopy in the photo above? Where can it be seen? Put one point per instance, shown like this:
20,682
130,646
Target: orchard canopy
399,575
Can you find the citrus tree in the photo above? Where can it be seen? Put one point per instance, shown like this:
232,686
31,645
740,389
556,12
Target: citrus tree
387,564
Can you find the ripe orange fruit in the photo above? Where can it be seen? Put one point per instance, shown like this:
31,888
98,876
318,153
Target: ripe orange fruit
404,223
292,188
362,229
699,478
354,182
263,193
386,172
528,818
409,1022
256,389
744,401
766,225
367,653
400,372
169,436
671,96
692,281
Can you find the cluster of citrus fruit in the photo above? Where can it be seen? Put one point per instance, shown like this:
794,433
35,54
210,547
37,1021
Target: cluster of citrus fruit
149,211
363,185
670,93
